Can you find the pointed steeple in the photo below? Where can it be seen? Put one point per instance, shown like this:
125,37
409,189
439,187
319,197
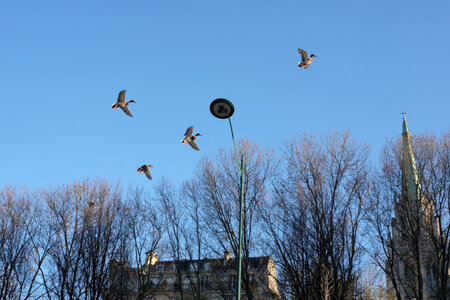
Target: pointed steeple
405,125
410,172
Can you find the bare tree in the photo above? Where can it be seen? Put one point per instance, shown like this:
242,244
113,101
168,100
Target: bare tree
217,192
86,228
176,231
433,160
185,238
372,283
313,224
135,275
106,237
62,277
23,247
196,246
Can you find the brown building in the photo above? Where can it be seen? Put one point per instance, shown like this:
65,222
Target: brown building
192,279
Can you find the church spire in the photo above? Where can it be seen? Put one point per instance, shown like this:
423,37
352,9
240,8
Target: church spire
410,172
405,125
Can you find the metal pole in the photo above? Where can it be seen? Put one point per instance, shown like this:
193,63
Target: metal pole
241,169
241,203
241,208
223,109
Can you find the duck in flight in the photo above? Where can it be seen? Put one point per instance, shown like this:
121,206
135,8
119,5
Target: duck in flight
189,138
306,60
146,170
122,103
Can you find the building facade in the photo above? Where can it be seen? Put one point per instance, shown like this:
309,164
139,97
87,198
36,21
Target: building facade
192,279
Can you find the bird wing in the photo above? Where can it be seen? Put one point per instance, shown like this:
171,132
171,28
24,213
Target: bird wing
189,131
121,97
127,111
145,169
303,53
194,145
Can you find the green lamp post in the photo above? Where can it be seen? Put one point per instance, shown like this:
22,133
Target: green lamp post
224,109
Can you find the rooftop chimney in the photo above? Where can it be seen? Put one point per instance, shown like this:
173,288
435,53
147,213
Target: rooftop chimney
227,255
151,259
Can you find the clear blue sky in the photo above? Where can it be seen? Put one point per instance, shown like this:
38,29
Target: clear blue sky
64,62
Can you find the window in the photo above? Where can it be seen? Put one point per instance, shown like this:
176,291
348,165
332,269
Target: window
233,282
173,267
160,268
407,273
170,281
154,281
186,283
206,266
176,284
193,267
204,282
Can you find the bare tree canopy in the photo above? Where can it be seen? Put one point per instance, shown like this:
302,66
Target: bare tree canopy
216,193
313,224
23,246
317,210
86,227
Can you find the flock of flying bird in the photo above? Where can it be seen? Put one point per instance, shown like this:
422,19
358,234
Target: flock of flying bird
189,136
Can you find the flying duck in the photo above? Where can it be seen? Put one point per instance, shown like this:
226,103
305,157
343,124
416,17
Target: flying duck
189,138
123,104
146,170
306,60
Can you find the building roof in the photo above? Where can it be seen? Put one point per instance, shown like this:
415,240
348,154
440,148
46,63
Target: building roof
215,263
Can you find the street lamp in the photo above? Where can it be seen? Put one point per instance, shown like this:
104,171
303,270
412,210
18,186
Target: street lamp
224,109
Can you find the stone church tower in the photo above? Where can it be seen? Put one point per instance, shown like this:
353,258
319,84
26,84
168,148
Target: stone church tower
411,248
